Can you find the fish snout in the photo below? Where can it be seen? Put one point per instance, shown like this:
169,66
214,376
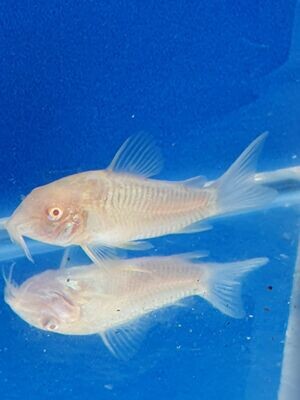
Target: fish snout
14,225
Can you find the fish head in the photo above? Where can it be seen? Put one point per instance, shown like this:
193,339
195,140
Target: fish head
43,302
51,214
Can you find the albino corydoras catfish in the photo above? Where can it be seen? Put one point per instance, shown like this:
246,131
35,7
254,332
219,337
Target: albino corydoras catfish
119,206
117,302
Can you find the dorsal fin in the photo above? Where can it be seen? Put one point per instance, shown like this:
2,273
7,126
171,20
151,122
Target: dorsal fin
138,155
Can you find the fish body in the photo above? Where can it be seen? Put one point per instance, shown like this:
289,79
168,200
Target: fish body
116,208
114,302
120,206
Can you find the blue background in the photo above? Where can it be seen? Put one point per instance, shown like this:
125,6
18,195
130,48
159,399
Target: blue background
77,78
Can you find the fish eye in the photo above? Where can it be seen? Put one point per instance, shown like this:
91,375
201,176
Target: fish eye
50,325
55,214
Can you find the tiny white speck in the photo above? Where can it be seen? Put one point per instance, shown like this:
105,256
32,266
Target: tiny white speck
133,116
179,325
108,386
284,256
190,330
178,347
248,337
251,315
44,350
294,156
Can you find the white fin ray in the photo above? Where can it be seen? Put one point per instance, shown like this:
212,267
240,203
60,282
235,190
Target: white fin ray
124,341
10,285
99,253
224,285
8,279
138,155
21,242
237,189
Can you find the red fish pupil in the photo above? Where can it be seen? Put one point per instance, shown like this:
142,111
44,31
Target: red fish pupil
55,212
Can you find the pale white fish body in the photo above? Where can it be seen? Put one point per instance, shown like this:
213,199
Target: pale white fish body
135,208
120,206
131,290
117,302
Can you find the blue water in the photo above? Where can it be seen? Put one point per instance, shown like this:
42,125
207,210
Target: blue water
76,79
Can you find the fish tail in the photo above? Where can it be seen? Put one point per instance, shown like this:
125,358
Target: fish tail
237,189
223,285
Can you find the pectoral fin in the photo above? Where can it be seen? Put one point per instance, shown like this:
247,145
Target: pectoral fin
124,341
99,253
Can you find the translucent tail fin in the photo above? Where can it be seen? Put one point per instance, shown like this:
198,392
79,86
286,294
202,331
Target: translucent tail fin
237,189
223,288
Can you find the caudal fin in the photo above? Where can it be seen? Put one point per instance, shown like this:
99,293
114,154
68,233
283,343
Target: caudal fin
223,288
237,189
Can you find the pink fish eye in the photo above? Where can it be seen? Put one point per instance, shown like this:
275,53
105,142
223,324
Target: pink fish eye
55,213
50,325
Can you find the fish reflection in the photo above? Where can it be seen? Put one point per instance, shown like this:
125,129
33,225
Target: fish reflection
118,302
